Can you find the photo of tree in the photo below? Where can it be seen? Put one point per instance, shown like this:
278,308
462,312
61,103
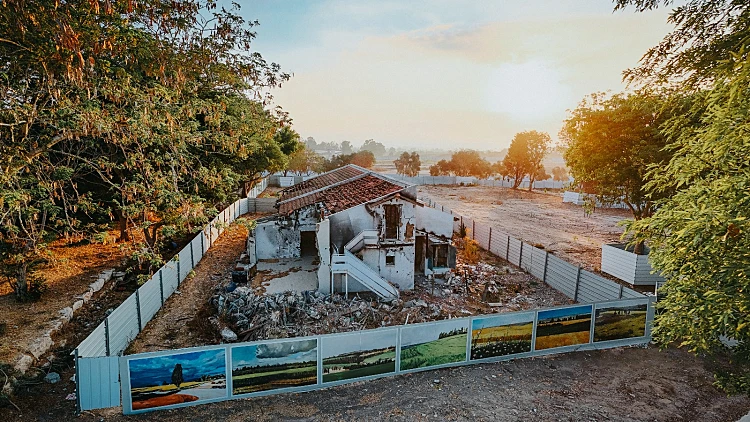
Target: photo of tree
501,335
431,345
359,355
563,327
179,378
275,365
619,322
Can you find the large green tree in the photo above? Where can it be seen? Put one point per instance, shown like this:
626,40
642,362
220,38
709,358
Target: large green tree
700,234
525,155
408,164
611,142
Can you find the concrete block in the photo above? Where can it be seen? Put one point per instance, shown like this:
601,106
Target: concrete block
107,274
66,314
97,285
87,296
77,305
24,363
41,346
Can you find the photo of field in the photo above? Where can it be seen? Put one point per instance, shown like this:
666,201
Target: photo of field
359,355
276,365
563,327
180,378
501,335
619,322
438,344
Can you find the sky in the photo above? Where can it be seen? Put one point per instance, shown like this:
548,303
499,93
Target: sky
445,74
334,346
275,353
507,319
564,312
149,372
418,334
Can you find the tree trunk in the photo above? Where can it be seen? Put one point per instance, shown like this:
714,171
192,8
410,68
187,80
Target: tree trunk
22,287
531,183
123,226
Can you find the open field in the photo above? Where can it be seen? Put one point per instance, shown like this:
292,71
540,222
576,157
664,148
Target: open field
448,349
502,340
537,218
359,364
563,327
272,366
271,378
617,323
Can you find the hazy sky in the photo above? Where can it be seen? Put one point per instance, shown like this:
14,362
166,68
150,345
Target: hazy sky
444,73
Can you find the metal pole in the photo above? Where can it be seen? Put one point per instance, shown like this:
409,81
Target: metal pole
621,289
138,310
161,285
578,280
520,257
473,229
546,257
489,242
179,276
78,383
192,257
507,250
106,334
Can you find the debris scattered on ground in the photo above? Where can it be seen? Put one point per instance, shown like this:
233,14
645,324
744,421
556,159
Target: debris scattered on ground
52,378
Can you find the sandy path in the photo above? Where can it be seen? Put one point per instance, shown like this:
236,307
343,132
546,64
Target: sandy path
537,218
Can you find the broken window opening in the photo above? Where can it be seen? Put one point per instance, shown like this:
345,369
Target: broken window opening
392,220
390,260
440,255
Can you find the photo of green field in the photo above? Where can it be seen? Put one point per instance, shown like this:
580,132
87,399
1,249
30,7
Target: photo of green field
620,322
563,327
272,366
359,355
501,335
438,344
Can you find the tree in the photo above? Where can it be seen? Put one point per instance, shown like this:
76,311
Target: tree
408,164
177,377
441,168
559,174
305,161
525,155
362,158
470,163
708,36
346,148
376,148
700,235
611,143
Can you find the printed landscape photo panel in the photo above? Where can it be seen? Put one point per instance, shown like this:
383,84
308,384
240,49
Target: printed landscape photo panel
621,321
563,327
423,346
272,366
166,380
501,335
359,355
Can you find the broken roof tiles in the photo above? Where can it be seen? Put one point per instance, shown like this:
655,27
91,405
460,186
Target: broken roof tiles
319,182
343,196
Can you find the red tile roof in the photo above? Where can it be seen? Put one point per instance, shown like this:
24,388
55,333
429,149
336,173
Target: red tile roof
319,182
344,196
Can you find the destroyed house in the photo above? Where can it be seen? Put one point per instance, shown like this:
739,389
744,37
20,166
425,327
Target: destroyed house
364,231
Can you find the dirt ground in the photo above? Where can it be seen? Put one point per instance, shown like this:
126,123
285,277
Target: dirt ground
536,217
72,267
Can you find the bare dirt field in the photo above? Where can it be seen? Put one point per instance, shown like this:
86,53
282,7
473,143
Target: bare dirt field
536,217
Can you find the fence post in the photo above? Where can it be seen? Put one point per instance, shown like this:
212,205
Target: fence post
192,257
161,285
578,280
106,334
489,241
203,248
138,310
473,229
507,249
621,289
78,383
520,257
179,277
546,257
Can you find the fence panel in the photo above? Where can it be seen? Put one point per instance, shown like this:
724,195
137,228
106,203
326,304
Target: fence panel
499,244
561,275
197,248
526,257
592,288
98,381
514,251
628,293
149,296
185,262
538,262
95,344
482,235
123,326
169,278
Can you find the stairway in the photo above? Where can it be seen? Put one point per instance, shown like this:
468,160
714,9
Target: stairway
348,263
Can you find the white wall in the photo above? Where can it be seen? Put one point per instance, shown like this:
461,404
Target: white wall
323,239
434,221
281,238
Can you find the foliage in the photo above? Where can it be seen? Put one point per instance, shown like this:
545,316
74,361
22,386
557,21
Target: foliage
700,236
525,155
611,142
376,148
408,164
559,174
305,161
364,159
152,112
463,163
708,36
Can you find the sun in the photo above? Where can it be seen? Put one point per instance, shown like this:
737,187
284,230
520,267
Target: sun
526,91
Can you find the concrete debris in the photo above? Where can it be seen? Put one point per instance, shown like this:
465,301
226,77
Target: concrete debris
52,378
228,335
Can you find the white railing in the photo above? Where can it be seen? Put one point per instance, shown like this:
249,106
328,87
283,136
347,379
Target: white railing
348,264
364,238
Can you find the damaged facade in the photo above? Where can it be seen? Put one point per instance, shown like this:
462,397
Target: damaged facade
365,231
